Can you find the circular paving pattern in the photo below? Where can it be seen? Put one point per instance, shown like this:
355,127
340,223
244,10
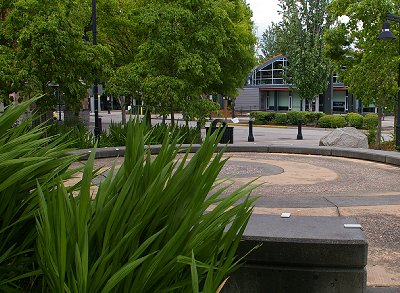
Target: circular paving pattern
326,186
248,169
319,176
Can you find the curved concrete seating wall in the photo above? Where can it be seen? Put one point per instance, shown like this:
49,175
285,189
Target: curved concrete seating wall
387,157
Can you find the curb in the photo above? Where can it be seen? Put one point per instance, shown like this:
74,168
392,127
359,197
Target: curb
261,125
387,157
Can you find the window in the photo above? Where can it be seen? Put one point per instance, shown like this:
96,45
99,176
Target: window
335,78
270,74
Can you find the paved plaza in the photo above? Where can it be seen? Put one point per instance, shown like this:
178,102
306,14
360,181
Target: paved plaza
311,185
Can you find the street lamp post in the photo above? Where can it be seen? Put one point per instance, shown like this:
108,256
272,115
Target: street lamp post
95,84
59,106
386,34
93,27
56,92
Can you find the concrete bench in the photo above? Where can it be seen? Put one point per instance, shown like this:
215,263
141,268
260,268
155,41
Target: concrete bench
301,254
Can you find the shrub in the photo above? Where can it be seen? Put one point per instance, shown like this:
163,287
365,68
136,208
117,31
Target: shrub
325,121
388,145
311,118
188,134
78,134
256,115
116,135
28,157
332,121
370,121
354,120
293,117
263,117
83,138
371,135
149,228
269,117
280,119
338,121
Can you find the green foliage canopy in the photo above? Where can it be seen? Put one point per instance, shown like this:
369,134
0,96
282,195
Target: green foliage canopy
46,42
269,42
184,49
370,64
300,38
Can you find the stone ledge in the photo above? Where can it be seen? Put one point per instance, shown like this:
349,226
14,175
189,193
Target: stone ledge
302,150
301,254
305,241
393,158
387,157
256,279
363,154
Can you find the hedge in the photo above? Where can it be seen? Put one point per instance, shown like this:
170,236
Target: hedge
293,117
263,117
354,120
311,118
280,119
369,121
332,121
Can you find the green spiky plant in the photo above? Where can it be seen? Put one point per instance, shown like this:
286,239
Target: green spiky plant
158,224
27,157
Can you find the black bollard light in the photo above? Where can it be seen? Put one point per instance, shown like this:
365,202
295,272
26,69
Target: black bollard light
299,134
251,137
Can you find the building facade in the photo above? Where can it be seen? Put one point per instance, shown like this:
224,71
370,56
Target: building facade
266,90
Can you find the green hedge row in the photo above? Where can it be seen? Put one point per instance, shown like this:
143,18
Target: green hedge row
116,135
316,119
289,118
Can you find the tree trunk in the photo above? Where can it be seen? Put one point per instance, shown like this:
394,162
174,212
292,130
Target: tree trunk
379,130
163,118
395,122
172,111
121,100
148,117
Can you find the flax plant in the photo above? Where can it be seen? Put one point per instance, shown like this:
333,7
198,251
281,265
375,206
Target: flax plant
157,224
27,157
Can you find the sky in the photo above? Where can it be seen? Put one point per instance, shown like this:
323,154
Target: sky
264,12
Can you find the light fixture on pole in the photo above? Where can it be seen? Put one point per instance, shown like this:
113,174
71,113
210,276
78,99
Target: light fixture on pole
56,91
386,34
93,27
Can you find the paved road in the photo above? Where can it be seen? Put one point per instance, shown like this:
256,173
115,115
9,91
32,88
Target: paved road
281,135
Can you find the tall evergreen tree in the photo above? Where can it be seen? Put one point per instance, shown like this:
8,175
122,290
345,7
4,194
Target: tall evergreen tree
269,42
301,40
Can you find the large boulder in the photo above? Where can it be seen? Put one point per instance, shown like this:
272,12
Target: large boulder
345,137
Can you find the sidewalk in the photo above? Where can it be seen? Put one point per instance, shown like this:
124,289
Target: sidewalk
262,134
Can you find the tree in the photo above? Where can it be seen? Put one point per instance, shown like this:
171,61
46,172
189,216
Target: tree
301,40
184,49
269,42
46,40
10,76
370,64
